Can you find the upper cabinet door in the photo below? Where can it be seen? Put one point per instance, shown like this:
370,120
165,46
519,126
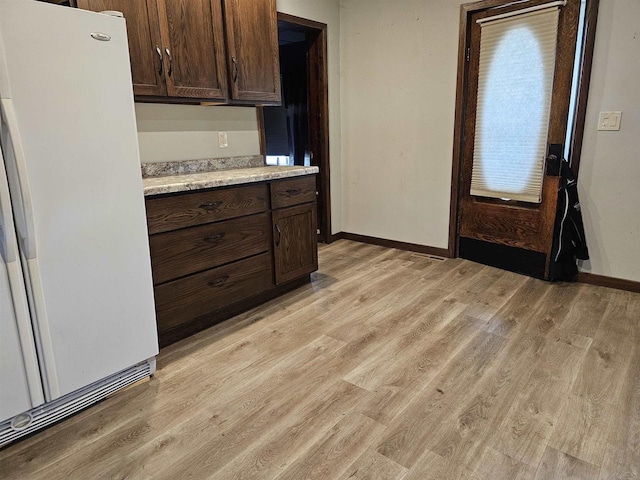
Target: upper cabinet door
145,47
252,48
194,48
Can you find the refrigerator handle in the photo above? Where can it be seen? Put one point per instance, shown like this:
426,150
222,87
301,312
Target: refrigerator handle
27,236
7,240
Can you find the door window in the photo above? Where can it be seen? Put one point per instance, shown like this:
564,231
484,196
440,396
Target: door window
515,81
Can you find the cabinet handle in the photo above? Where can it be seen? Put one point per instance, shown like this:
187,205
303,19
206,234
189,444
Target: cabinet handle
161,69
293,191
279,235
215,239
218,282
234,60
170,60
210,206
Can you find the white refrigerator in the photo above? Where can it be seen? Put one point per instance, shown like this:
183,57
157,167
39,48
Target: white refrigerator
77,318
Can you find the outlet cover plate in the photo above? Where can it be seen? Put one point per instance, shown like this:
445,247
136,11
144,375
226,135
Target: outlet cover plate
223,140
609,121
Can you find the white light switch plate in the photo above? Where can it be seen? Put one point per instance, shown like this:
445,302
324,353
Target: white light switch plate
609,121
223,140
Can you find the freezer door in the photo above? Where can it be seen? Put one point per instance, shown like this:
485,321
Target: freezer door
14,394
20,385
74,174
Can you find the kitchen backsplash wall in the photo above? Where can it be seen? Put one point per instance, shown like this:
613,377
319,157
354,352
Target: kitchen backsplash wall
189,132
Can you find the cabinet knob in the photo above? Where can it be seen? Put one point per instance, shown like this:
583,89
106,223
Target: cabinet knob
168,52
279,235
234,60
161,69
209,207
214,239
218,282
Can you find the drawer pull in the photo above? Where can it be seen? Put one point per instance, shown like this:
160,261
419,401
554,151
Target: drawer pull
279,235
293,191
218,282
215,239
209,207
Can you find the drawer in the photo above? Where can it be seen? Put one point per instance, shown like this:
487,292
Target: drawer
183,252
185,300
190,209
294,191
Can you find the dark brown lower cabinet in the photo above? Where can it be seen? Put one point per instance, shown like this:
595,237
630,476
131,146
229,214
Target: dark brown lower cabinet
188,298
295,252
217,252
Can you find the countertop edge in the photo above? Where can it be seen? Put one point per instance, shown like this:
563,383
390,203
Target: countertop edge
175,184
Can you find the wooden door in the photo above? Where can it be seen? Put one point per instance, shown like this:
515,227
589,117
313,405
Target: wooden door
295,242
510,234
193,45
145,47
252,50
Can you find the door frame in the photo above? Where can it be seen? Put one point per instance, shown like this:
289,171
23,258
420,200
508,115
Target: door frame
318,116
464,41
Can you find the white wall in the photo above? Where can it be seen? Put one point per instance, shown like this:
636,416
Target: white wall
609,183
399,62
327,11
190,132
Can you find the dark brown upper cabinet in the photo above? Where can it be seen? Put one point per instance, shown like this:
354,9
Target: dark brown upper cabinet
178,50
252,50
193,44
145,46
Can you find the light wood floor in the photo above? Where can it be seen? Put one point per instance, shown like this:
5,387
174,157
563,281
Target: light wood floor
390,365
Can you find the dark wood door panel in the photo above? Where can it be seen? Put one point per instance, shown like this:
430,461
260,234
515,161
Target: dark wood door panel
145,46
190,250
252,49
193,37
286,193
486,222
190,209
184,301
295,242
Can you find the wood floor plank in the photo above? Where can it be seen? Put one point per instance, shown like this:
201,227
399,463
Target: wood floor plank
529,424
463,436
553,309
389,365
301,429
256,407
431,466
373,466
587,311
403,442
333,454
588,415
424,348
559,465
498,466
513,314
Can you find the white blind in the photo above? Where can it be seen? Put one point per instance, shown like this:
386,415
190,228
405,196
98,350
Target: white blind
515,80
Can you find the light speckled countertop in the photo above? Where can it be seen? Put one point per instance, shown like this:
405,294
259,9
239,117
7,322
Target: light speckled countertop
219,178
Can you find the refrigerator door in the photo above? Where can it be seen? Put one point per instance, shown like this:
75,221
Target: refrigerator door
19,375
74,176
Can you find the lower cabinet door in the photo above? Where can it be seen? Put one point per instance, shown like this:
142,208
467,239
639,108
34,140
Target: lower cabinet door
295,242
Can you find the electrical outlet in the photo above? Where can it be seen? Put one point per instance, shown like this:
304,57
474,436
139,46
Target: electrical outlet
223,140
609,121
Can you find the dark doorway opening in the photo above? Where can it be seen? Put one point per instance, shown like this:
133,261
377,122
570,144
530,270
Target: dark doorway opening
297,132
